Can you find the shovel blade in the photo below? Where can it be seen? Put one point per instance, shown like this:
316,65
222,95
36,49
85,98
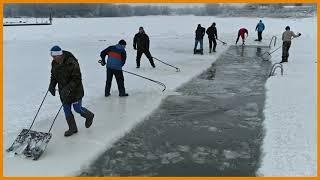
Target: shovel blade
30,143
266,56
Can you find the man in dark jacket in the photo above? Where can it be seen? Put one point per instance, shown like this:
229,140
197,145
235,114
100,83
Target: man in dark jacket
200,32
242,33
65,71
260,29
141,44
212,35
116,59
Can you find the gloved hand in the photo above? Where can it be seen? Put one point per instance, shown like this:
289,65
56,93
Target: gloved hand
299,34
102,62
52,90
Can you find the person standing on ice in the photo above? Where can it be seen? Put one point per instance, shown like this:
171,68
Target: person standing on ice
116,59
212,35
200,32
260,28
65,71
286,38
242,33
141,43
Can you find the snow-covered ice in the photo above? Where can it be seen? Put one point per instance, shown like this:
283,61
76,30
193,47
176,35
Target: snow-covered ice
290,113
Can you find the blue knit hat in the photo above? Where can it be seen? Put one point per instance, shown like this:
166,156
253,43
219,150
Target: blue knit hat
55,51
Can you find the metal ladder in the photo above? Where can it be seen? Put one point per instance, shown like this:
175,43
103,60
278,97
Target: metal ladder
275,66
275,41
269,53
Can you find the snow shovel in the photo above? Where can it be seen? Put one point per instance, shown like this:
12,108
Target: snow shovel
31,143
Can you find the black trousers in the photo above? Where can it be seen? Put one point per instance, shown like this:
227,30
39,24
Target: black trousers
148,55
242,36
212,40
285,50
259,36
120,81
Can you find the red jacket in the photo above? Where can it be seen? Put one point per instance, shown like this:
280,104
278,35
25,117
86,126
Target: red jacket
242,31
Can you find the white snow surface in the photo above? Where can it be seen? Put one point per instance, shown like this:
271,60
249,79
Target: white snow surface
289,147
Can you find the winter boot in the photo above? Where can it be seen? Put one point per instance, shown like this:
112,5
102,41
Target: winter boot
124,95
209,50
88,115
284,59
72,126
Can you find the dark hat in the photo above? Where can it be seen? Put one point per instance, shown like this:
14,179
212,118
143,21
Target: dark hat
122,42
287,28
55,51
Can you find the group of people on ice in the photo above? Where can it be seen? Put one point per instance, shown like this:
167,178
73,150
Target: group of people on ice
213,36
65,69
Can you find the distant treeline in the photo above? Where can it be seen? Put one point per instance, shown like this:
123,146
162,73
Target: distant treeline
123,10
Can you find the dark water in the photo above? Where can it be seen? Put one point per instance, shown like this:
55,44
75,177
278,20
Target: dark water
213,128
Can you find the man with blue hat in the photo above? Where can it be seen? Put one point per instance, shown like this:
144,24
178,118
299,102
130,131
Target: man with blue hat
65,71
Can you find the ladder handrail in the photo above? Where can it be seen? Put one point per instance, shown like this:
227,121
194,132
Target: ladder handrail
275,41
274,68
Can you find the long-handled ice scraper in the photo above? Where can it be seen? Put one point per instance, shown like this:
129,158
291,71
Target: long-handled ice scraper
224,43
267,55
177,69
157,82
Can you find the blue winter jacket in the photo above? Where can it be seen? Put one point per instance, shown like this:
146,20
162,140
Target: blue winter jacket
116,56
260,27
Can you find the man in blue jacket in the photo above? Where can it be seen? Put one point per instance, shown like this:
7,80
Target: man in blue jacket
260,28
116,59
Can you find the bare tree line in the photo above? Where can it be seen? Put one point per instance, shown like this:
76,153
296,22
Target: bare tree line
123,10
